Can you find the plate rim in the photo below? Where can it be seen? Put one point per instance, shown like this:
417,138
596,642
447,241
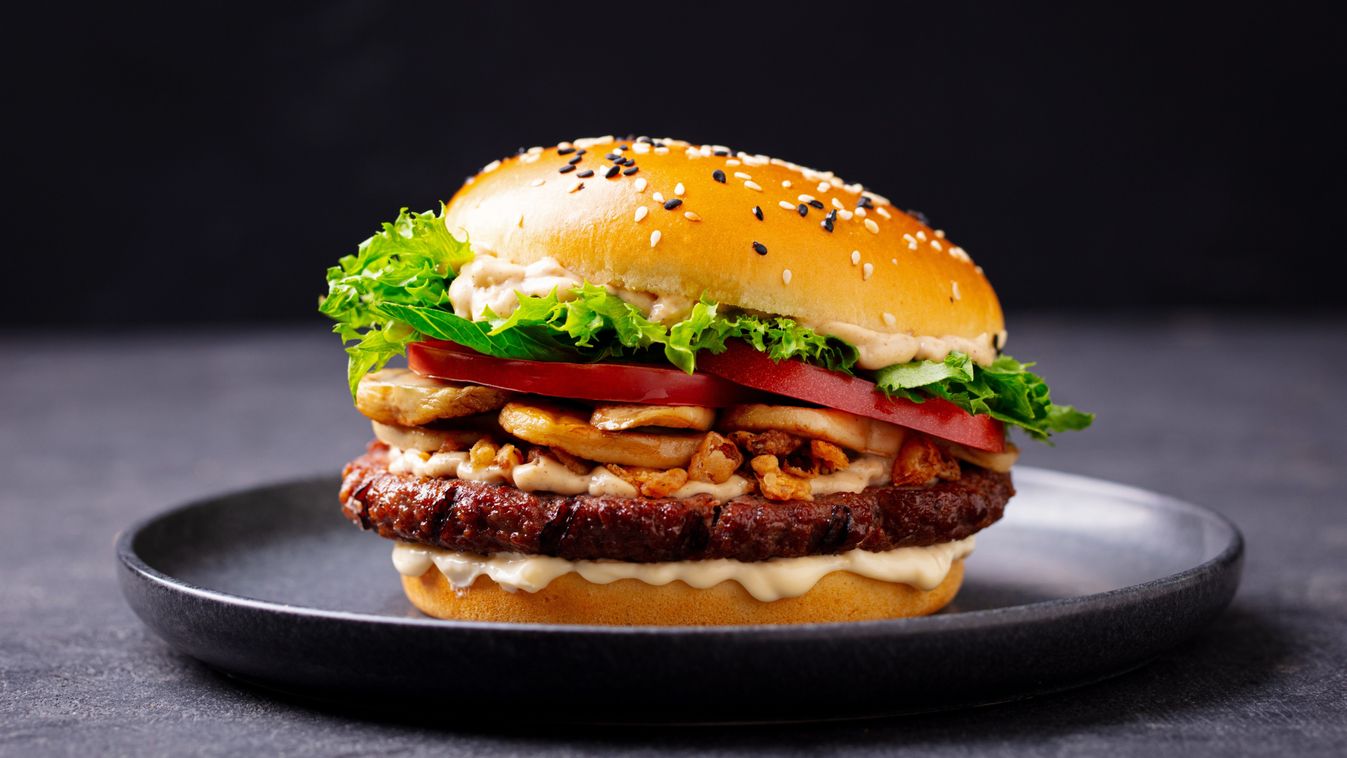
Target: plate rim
984,619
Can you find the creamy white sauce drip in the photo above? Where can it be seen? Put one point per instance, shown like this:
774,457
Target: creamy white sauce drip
549,475
921,567
489,282
880,349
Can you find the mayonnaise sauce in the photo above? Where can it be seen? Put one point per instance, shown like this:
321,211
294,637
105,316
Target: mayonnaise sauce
921,567
880,349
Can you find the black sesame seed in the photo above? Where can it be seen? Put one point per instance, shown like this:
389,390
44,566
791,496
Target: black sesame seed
864,202
722,153
643,138
566,168
565,150
718,175
832,215
671,204
803,209
613,156
918,215
817,204
630,171
576,159
612,171
759,248
581,151
827,224
586,173
757,212
627,162
622,148
521,151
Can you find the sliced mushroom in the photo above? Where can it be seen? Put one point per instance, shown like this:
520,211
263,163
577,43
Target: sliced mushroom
427,440
568,430
616,418
399,396
838,427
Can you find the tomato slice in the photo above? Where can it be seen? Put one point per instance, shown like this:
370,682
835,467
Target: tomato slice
741,364
604,382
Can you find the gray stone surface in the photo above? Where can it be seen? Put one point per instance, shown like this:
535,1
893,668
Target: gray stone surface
1245,416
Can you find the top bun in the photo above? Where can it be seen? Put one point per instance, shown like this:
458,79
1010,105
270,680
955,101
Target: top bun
689,220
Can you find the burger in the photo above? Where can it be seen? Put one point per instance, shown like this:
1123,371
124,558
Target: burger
661,383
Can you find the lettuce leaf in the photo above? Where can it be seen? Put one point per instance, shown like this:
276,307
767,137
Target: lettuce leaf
1005,390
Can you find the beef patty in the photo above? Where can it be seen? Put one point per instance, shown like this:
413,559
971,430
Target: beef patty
476,517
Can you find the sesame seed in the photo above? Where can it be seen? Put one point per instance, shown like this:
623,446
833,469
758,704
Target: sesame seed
753,186
889,318
827,224
786,275
940,233
566,169
567,150
817,204
757,212
659,196
492,166
613,157
786,205
921,235
612,171
576,159
894,261
802,209
785,184
581,151
641,211
718,175
912,245
846,215
661,150
838,204
806,199
867,271
690,216
881,210
640,184
759,248
824,186
954,288
722,153
654,238
586,173
742,175
864,201
732,162
630,171
861,212
674,203
679,189
855,257
538,182
872,226
576,186
936,244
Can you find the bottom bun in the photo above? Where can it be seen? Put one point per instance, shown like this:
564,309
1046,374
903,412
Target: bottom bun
570,599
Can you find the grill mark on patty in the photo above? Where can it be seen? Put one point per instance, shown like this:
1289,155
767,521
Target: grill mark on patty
487,518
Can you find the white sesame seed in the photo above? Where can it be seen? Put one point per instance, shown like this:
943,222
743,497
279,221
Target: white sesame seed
846,215
894,261
954,287
785,184
855,257
661,150
912,245
654,238
889,318
867,271
539,182
824,187
881,210
806,198
753,186
690,216
641,148
838,204
921,235
575,185
862,212
679,189
563,145
641,212
978,269
786,276
872,226
786,205
640,180
492,166
936,244
742,175
535,150
940,233
732,162
657,196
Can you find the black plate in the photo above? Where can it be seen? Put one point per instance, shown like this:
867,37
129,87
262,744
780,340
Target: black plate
1082,580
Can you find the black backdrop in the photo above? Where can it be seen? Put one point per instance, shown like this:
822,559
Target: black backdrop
189,162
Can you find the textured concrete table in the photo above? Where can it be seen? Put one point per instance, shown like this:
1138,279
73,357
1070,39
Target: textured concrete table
1248,417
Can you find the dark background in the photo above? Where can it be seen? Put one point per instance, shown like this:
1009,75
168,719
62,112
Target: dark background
205,162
